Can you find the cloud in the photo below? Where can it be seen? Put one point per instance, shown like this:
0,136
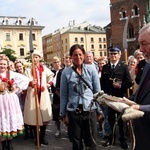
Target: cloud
57,14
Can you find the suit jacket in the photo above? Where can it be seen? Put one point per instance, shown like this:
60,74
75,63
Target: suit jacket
142,125
140,67
121,73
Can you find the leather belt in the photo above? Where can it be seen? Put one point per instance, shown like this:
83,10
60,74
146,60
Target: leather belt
80,110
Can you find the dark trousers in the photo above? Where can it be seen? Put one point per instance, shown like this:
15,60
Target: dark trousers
42,132
112,119
84,129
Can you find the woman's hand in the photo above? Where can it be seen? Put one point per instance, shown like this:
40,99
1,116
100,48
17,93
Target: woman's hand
16,89
66,120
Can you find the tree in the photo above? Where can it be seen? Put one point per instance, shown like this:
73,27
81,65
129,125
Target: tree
9,53
28,57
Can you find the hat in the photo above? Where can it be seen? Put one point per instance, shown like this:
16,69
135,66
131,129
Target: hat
114,50
37,52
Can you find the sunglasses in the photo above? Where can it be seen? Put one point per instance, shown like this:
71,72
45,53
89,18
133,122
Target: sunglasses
113,53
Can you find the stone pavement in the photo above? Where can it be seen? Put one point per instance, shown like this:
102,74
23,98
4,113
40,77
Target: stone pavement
61,143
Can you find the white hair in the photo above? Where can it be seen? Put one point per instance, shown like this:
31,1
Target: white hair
146,27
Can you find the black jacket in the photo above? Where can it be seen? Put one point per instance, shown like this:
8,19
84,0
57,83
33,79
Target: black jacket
121,73
140,67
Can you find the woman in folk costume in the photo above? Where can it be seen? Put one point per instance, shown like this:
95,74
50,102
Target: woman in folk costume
42,80
11,119
19,67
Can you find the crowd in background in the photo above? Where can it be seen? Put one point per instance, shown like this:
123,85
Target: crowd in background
72,82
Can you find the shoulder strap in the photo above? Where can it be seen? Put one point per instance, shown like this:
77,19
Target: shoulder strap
82,78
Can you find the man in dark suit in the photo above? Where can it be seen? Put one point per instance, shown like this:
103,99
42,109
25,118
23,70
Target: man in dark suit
115,81
142,96
139,70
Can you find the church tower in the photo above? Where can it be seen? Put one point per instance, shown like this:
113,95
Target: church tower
138,11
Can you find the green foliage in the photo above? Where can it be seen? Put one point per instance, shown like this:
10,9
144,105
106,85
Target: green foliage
28,57
10,53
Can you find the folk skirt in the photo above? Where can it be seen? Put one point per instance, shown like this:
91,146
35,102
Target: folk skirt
11,119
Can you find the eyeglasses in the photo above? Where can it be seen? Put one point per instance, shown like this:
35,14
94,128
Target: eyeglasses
55,62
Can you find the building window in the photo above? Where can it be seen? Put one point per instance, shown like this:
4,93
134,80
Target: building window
131,31
82,46
93,53
7,22
100,54
76,39
33,36
21,36
100,40
100,46
20,22
105,53
92,46
82,40
135,11
104,45
62,41
123,13
92,39
7,36
21,51
66,40
104,39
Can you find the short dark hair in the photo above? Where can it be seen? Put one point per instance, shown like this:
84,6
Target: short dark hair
74,47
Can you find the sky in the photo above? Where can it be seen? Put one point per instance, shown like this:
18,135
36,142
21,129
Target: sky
56,14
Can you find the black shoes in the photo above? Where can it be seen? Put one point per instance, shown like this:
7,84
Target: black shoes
4,145
44,142
124,144
108,143
9,145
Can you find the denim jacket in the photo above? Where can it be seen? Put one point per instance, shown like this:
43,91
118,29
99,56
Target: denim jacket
74,91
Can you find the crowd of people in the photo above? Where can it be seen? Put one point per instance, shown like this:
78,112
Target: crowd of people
26,107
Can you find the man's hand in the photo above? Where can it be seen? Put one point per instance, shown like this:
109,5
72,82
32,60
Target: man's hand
99,117
117,85
135,107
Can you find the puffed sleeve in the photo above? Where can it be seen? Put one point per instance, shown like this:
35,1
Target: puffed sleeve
20,80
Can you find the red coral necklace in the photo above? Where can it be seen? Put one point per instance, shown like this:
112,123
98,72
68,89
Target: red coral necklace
40,69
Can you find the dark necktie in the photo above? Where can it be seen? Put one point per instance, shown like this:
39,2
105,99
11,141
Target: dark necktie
112,67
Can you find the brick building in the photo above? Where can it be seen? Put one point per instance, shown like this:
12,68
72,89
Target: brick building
120,10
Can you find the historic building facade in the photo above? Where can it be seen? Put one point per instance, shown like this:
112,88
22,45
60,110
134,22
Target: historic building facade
92,38
14,34
120,11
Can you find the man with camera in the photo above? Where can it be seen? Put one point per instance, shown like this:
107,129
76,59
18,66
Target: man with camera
115,80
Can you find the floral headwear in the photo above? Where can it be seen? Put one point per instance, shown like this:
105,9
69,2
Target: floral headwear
4,57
